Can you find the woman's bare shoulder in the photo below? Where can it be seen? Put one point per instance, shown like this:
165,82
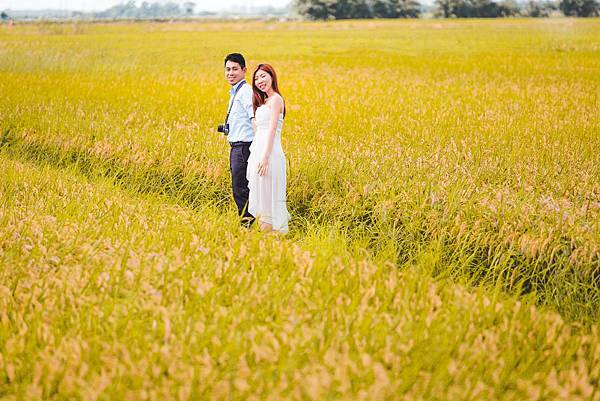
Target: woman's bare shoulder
277,100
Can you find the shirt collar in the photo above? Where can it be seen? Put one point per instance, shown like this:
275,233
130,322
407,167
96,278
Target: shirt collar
234,87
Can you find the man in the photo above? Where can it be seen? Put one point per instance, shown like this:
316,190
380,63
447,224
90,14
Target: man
239,131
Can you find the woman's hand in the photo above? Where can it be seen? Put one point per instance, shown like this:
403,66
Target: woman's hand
263,166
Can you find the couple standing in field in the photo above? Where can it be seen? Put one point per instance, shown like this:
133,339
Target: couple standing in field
253,128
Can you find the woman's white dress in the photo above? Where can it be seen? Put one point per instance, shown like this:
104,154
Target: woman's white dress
267,199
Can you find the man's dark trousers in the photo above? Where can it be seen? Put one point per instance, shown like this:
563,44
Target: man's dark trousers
238,164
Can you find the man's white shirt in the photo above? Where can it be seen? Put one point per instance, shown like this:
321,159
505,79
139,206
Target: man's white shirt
242,111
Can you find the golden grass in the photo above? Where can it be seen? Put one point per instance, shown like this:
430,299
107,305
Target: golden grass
419,151
108,296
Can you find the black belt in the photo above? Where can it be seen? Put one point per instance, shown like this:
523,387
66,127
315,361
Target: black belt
240,143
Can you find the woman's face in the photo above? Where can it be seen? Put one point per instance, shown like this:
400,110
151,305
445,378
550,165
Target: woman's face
263,80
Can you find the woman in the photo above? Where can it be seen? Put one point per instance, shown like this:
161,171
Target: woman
266,172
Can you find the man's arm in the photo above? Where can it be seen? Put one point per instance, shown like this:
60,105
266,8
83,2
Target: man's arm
247,101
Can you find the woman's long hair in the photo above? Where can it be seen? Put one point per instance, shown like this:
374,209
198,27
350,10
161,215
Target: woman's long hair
259,97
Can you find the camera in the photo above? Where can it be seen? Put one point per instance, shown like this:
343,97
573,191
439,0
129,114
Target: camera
224,128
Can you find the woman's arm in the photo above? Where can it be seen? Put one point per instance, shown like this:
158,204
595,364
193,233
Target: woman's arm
276,108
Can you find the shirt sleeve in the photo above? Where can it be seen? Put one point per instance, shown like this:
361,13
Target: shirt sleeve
246,100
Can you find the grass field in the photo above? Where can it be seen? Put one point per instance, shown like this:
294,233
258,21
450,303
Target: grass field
444,186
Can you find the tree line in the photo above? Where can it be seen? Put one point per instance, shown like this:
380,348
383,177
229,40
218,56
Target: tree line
347,9
125,10
148,10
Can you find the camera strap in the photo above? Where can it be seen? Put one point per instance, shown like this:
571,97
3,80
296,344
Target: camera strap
242,83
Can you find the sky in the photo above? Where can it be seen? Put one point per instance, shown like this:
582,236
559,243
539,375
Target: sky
98,5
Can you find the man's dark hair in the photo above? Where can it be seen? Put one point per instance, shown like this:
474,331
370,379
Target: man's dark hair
236,58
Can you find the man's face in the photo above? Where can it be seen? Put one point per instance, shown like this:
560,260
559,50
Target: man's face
234,73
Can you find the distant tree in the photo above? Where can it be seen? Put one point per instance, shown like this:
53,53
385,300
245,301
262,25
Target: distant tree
119,11
475,8
4,16
360,9
580,8
345,9
396,9
171,9
144,10
538,9
155,10
315,9
189,6
380,9
444,8
508,8
341,9
127,10
404,8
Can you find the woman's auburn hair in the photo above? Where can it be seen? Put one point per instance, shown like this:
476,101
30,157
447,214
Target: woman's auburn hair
259,97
